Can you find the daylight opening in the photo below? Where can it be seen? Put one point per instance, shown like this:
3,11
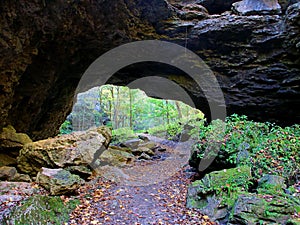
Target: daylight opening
128,111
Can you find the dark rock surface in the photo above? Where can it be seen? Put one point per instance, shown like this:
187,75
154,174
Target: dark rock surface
253,7
46,46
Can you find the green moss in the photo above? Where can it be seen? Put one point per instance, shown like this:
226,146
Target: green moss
225,184
294,222
267,148
43,209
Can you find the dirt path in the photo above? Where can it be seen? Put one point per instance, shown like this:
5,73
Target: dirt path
143,173
150,192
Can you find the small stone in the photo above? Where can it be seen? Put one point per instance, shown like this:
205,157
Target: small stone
149,144
143,137
271,182
6,172
144,156
115,157
133,143
142,150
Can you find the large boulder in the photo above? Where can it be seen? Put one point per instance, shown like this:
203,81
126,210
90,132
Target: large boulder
215,193
253,7
76,149
224,196
10,144
116,157
254,209
59,181
10,139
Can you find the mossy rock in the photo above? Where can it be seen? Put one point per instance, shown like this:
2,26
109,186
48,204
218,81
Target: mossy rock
262,209
214,181
59,181
41,210
271,184
216,193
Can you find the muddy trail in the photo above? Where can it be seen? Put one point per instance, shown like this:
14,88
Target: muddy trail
146,192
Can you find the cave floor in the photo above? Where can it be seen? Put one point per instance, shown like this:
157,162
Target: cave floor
147,192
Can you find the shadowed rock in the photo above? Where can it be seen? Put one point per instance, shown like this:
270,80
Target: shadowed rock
46,47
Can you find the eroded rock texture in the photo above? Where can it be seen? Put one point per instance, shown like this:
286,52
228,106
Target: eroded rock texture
46,46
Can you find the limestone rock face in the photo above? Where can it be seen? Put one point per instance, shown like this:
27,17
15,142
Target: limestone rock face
46,46
6,160
11,141
216,6
193,12
236,205
251,209
59,181
202,193
252,7
76,149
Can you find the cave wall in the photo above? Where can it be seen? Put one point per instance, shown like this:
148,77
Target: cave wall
46,46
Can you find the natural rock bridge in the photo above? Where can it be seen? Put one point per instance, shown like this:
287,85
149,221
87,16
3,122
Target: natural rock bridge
46,46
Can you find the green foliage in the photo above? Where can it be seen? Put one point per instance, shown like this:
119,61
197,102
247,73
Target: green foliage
267,148
174,129
122,134
226,184
119,107
66,127
159,130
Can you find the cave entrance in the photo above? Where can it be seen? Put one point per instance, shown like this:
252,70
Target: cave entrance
178,74
151,137
128,111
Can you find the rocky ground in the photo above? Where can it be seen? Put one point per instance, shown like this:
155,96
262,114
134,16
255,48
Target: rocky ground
104,202
145,180
146,191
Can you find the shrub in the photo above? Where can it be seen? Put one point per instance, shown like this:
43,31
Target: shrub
266,147
122,134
